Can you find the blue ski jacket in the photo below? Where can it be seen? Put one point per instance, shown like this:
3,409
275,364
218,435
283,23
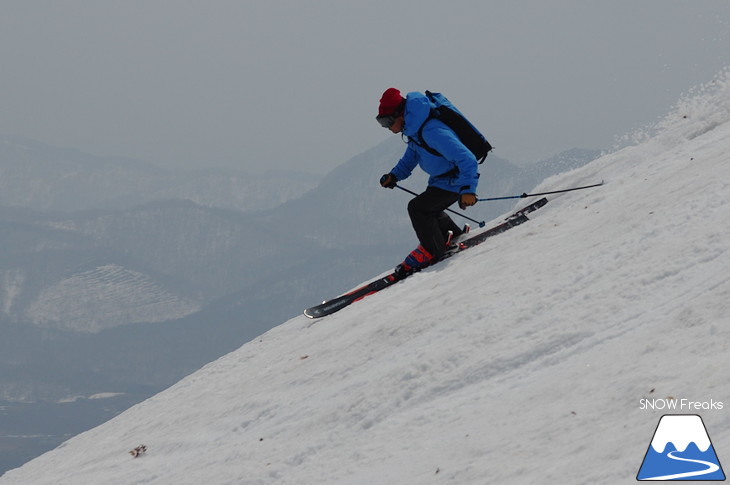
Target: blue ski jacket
455,170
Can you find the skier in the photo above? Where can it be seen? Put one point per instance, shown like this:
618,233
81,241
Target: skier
453,173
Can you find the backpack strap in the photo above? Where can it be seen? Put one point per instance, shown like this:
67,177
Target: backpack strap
433,113
420,141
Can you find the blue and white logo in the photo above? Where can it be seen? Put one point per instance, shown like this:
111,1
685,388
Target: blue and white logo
681,450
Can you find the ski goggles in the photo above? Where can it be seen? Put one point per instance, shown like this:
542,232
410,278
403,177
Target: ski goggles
386,121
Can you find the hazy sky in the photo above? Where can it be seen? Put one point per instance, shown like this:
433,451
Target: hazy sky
269,84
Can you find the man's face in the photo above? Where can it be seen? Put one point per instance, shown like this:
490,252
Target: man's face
397,125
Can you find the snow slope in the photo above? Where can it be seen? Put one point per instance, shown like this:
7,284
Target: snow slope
522,361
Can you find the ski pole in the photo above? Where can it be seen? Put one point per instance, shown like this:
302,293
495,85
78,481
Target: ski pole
481,224
541,193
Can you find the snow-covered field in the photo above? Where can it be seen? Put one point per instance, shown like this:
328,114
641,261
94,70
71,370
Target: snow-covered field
90,301
523,361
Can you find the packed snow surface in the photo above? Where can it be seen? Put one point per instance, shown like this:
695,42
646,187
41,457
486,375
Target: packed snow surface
525,360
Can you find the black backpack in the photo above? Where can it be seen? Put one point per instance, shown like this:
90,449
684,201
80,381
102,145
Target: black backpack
447,113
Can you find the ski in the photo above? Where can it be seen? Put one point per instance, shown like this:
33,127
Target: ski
336,304
331,306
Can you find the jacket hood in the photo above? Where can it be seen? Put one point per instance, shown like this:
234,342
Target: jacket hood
418,107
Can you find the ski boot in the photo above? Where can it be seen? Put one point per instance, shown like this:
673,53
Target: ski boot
418,259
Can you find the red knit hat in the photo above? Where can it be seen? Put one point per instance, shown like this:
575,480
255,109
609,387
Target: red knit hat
390,102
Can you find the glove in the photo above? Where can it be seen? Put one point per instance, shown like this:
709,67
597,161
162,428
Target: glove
467,200
388,181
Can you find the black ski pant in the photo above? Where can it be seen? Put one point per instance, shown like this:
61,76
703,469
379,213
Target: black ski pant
430,221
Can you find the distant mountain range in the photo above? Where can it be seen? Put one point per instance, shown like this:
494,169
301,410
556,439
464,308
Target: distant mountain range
46,178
